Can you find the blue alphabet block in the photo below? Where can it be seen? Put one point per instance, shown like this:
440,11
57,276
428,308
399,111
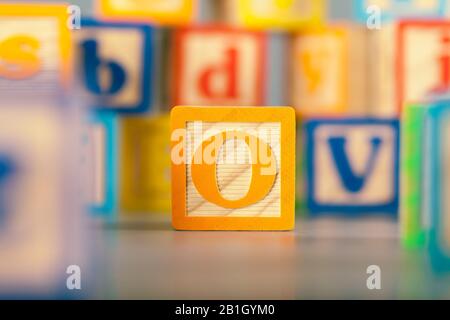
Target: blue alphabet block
352,165
100,158
437,177
391,10
115,63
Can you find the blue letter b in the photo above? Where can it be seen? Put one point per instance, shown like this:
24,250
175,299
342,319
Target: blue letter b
91,67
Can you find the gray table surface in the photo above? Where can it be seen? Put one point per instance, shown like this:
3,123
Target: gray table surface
323,258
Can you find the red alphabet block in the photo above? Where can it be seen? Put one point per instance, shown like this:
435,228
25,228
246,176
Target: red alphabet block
219,66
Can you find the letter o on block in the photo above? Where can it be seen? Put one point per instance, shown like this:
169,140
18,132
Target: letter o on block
256,190
205,178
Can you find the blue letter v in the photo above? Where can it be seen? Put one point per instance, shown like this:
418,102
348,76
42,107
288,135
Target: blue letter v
352,182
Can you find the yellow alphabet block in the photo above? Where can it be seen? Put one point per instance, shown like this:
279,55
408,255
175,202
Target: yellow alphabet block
167,12
145,180
35,50
275,14
233,168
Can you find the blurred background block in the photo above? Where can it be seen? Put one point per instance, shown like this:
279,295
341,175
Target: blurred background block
319,72
412,221
170,12
35,51
145,165
40,225
423,48
274,14
391,10
437,180
219,66
352,166
110,77
100,143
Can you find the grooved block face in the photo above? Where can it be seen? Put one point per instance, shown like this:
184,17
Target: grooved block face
352,165
320,77
233,168
166,12
35,51
108,76
219,66
278,14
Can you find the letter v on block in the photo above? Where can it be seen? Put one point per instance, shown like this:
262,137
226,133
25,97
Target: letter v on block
351,181
342,177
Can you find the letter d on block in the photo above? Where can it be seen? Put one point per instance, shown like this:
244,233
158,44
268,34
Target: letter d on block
227,70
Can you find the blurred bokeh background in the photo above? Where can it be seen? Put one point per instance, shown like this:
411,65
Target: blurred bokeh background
86,88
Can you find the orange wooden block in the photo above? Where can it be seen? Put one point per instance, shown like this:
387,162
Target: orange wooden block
233,168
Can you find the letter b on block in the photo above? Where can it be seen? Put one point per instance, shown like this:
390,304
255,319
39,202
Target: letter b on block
115,65
92,69
352,165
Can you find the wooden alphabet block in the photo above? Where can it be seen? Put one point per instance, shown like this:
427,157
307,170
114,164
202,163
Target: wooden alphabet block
344,69
101,163
381,64
390,10
275,14
279,66
219,66
437,178
423,49
320,76
412,221
115,65
145,164
352,165
300,203
233,168
163,12
35,210
35,51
